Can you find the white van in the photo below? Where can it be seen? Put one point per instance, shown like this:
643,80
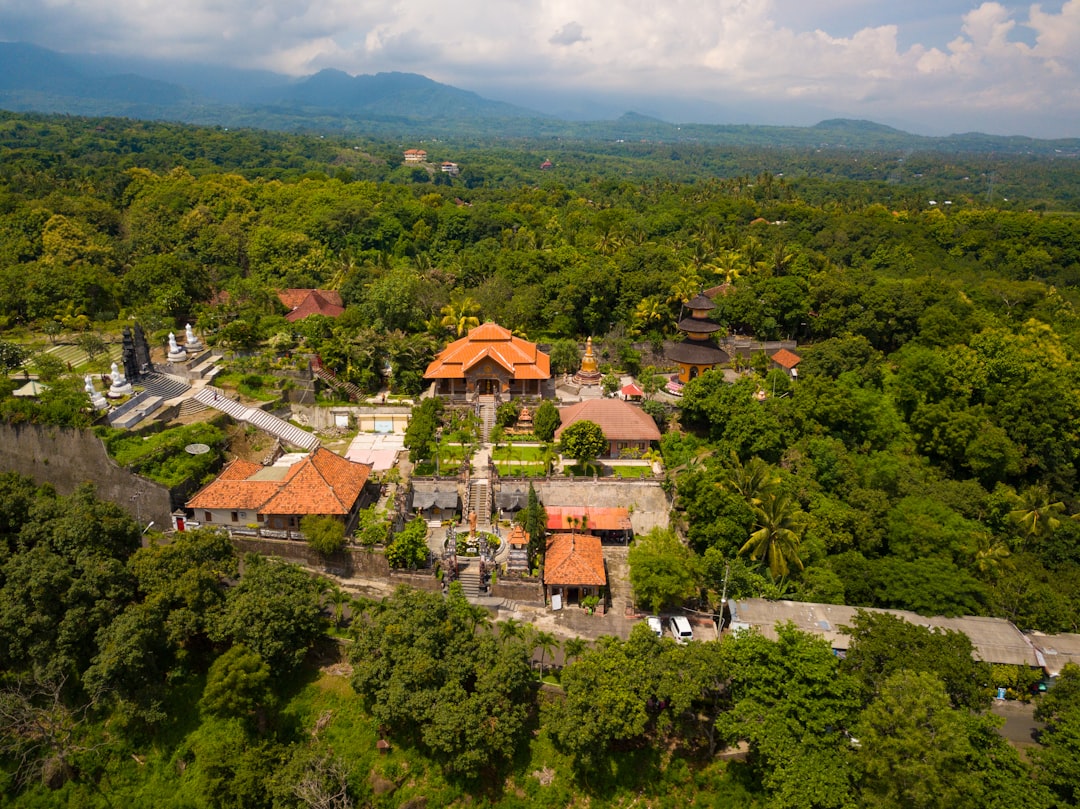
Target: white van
680,628
655,625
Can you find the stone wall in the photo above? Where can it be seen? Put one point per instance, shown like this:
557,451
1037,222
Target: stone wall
68,458
523,592
352,563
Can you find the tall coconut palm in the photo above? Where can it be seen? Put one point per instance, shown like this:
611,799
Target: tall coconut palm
776,541
546,643
573,648
753,480
1034,514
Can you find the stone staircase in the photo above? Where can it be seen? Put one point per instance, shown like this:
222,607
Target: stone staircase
487,417
469,576
191,406
330,378
480,502
289,434
166,386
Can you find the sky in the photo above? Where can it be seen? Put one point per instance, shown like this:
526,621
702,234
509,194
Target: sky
927,66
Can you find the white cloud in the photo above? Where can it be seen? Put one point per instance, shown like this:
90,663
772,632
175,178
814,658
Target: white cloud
697,48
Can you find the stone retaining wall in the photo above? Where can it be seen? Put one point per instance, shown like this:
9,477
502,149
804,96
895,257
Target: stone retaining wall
523,592
67,458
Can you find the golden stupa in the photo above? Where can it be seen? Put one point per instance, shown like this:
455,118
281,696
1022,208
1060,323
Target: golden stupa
588,374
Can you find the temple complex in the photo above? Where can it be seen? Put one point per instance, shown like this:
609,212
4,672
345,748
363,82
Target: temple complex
697,353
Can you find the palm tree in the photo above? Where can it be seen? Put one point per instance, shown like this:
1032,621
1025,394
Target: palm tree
573,648
1034,514
776,540
546,643
685,287
460,315
512,629
753,480
339,598
650,312
989,553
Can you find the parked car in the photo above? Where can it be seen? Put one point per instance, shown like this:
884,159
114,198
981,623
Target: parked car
655,625
680,628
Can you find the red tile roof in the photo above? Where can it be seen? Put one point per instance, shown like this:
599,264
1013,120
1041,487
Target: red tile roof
305,302
490,341
518,536
619,420
596,518
786,359
574,559
322,483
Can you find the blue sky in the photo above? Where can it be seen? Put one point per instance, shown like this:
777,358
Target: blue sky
925,66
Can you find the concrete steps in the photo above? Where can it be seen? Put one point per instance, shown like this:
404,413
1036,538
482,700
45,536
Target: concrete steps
469,576
166,386
480,502
331,379
289,434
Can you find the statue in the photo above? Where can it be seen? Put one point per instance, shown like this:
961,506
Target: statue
191,342
120,387
96,399
472,519
176,352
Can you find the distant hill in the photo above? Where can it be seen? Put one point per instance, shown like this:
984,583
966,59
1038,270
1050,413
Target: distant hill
399,105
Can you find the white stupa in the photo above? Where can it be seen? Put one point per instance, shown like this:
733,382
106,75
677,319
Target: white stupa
120,386
176,352
192,343
96,399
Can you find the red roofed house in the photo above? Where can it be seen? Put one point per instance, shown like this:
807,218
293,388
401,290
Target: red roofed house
304,302
574,567
415,155
786,360
625,426
489,360
275,498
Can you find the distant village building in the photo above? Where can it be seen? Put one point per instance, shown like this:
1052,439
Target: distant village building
415,156
547,164
450,168
786,361
303,303
490,360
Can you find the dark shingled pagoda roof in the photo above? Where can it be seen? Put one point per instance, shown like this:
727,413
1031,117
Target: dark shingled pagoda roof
700,302
698,324
697,352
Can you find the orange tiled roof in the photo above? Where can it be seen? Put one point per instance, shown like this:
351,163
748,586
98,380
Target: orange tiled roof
619,420
786,359
322,483
596,518
574,559
518,536
490,341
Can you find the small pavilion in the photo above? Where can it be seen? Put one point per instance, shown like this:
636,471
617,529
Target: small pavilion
697,353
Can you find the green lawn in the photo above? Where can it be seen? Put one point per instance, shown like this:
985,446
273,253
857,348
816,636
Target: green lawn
636,471
518,453
517,470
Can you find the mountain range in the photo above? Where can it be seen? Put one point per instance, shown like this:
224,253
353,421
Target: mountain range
394,105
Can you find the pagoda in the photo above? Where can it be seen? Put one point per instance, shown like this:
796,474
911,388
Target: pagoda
697,353
589,373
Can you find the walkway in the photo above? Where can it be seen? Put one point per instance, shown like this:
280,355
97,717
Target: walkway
288,433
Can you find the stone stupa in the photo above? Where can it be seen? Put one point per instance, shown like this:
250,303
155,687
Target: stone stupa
588,374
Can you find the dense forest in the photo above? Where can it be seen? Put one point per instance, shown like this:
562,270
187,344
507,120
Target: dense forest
925,459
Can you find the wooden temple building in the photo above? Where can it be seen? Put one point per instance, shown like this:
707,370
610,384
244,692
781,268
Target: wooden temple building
697,353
